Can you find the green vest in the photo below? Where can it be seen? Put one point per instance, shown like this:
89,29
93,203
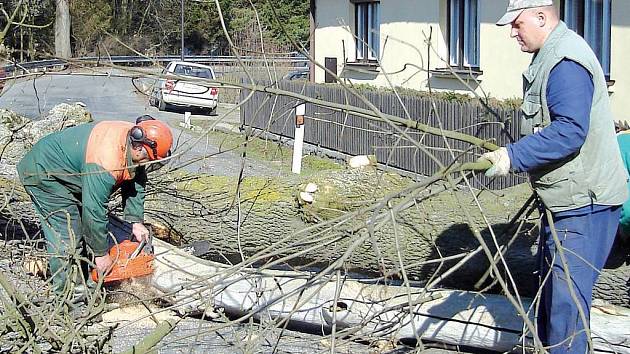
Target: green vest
595,174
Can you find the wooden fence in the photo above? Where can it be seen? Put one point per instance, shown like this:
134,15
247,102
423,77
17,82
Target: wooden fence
353,135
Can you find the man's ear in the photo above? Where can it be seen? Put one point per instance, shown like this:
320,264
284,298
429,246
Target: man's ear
143,151
542,19
136,146
139,152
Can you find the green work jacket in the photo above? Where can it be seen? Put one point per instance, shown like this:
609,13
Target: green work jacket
91,161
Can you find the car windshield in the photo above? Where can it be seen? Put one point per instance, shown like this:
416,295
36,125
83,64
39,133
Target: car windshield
194,71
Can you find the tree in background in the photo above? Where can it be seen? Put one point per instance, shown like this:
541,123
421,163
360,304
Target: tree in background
287,20
151,27
26,29
92,19
293,14
62,29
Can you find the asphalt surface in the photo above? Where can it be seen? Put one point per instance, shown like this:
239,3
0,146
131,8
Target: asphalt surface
106,97
112,96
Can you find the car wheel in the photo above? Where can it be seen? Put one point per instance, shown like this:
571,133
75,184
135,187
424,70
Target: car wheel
161,105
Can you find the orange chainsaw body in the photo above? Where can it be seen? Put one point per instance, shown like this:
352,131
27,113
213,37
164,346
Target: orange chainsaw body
124,266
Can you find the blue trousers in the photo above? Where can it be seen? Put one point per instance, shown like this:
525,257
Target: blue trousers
586,238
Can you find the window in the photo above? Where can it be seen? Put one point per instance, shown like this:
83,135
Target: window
591,20
367,21
194,71
463,33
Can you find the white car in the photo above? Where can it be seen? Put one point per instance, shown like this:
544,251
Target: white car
185,93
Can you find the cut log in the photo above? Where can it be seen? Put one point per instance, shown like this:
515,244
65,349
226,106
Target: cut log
366,311
277,221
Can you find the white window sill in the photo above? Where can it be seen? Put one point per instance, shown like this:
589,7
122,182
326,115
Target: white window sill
452,73
363,65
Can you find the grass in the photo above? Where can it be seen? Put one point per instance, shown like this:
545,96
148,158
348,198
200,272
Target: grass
262,192
280,156
259,190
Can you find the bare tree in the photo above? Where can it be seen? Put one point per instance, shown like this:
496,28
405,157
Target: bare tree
62,29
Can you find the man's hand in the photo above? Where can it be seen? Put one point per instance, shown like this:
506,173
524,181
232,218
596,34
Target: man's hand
140,231
500,162
103,263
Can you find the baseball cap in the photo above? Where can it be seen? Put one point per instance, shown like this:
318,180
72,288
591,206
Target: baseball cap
515,7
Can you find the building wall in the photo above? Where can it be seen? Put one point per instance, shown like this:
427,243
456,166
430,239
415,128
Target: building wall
619,64
334,23
407,25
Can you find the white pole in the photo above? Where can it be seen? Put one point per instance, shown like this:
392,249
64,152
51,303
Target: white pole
187,119
298,143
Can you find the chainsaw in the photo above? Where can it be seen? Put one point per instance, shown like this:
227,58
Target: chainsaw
131,259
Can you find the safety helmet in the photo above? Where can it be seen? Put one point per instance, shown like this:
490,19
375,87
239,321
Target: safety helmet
156,136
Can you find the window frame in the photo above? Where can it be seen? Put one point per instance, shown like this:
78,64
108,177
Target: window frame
367,23
463,34
583,22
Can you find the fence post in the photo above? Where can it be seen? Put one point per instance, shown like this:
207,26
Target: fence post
187,120
298,142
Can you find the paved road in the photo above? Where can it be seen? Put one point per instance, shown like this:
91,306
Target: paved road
114,97
106,97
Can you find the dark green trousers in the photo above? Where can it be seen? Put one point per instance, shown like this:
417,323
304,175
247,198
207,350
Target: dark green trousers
58,212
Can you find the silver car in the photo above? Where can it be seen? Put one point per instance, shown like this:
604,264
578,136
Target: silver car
186,93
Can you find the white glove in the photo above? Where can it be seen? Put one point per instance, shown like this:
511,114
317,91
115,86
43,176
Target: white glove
500,162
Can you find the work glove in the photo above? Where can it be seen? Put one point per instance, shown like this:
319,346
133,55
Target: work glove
500,162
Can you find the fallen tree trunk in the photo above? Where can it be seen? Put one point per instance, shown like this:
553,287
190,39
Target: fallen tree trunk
425,240
363,311
269,219
275,228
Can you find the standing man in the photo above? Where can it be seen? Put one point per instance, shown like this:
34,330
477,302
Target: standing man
70,176
573,163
